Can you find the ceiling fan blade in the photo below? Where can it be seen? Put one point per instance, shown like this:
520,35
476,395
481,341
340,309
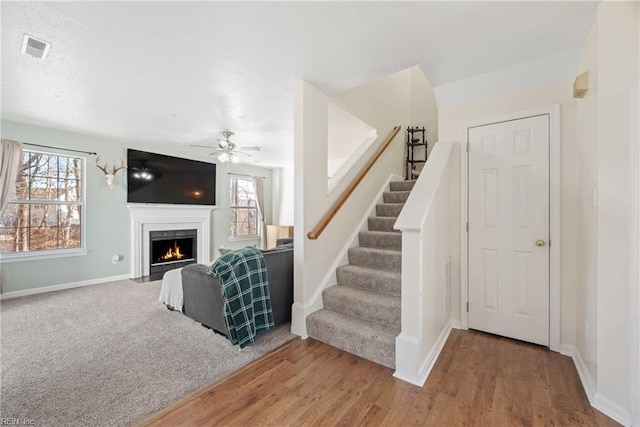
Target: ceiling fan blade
203,146
250,148
213,153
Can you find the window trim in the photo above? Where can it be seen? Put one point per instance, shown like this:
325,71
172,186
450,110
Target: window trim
56,253
248,236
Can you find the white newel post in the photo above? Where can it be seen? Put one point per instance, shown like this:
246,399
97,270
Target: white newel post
147,218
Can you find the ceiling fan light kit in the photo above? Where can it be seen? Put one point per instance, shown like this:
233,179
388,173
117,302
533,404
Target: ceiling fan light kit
229,151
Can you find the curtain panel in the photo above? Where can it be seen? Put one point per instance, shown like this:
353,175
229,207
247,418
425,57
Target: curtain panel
10,157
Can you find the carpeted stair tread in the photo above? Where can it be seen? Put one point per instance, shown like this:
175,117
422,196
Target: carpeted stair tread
370,341
395,196
370,307
383,259
370,279
389,209
380,239
382,223
402,185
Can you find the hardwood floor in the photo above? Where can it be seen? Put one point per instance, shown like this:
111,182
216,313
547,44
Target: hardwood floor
479,380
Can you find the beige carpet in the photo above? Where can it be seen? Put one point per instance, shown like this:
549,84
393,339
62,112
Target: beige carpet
108,355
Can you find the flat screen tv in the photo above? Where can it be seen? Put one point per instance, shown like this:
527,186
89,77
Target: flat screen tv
156,178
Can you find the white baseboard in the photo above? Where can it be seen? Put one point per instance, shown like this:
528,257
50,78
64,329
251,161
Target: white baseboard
588,383
429,361
33,291
596,399
612,410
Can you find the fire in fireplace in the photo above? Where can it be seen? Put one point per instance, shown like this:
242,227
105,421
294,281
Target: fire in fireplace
164,251
171,249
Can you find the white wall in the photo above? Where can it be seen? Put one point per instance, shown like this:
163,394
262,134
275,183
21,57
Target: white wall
587,219
618,73
536,73
450,120
423,106
283,196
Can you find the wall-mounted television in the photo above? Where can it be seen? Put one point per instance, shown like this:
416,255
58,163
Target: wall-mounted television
156,178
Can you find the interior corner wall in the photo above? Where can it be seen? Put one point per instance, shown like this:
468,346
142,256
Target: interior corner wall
587,215
283,196
618,73
107,216
451,118
424,108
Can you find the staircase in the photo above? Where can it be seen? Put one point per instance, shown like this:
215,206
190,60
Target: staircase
361,312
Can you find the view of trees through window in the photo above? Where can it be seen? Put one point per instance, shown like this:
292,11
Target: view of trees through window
243,209
45,211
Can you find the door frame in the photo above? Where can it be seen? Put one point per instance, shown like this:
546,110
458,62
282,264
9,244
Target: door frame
553,112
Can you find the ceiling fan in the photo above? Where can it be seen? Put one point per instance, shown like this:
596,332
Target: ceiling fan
228,150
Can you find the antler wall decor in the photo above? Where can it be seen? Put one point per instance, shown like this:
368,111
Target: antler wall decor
108,176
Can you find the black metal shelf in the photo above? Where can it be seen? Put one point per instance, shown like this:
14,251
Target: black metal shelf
416,137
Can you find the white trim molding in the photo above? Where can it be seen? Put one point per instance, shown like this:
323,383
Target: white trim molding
61,287
426,365
597,400
146,218
553,112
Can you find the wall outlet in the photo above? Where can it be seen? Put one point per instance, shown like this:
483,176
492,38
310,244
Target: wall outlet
115,259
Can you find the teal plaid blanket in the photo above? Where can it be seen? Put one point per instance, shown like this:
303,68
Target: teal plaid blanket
245,287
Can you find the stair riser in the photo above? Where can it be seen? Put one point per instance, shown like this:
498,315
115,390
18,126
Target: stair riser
395,196
377,223
388,241
389,209
363,309
383,353
401,185
382,261
369,282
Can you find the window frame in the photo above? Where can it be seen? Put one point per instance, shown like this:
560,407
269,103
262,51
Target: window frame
231,209
55,253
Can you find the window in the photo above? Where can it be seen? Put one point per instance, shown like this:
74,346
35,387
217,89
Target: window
46,211
244,214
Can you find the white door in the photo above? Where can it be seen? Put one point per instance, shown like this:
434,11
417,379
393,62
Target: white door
509,229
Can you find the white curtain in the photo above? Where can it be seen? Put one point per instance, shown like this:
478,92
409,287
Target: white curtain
10,159
258,186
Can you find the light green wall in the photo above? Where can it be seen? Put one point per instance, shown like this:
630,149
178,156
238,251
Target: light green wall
107,216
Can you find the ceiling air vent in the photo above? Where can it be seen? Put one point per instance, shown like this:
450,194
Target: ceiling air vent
35,47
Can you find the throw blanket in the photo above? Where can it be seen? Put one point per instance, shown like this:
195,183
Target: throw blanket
171,290
245,288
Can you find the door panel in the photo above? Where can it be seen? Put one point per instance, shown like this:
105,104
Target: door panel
508,214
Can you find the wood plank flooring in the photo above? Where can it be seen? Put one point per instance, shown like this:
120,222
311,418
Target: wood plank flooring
478,380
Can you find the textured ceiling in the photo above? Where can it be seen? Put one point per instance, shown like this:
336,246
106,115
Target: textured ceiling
182,72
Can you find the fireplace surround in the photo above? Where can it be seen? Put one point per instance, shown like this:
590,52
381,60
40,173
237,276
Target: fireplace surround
151,218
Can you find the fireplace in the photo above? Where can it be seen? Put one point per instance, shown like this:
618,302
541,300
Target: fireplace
146,219
170,249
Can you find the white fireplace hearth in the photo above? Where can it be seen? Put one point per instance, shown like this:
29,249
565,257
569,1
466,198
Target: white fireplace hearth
147,218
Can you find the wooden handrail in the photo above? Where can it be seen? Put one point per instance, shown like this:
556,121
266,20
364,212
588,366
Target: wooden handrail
326,219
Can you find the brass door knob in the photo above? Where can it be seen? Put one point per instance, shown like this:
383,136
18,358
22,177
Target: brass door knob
540,242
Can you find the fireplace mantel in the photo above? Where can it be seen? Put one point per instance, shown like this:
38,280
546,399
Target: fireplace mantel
146,218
